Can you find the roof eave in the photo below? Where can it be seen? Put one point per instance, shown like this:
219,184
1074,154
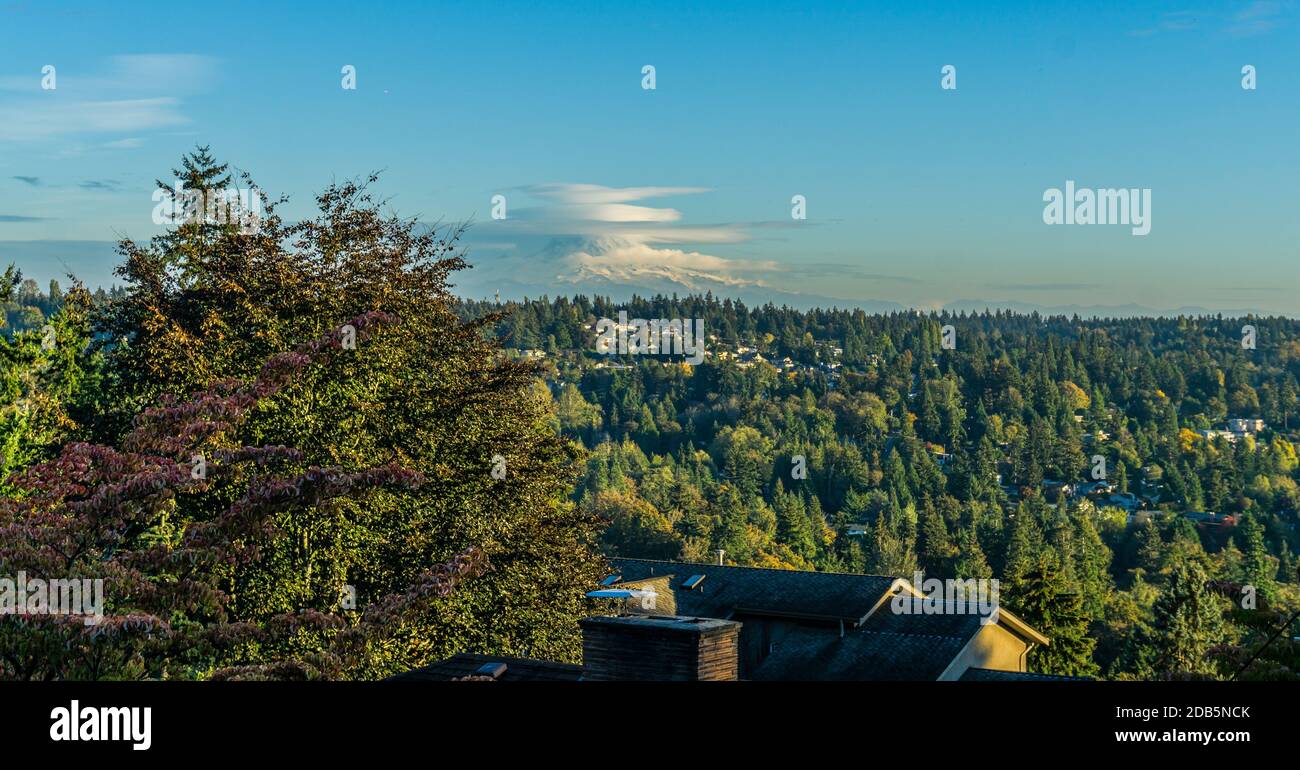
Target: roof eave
1020,628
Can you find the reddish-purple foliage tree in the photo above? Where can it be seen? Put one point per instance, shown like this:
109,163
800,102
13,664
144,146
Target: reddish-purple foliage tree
104,513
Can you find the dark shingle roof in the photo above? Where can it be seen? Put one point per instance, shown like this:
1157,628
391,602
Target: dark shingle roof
885,620
989,675
887,646
517,669
755,590
858,656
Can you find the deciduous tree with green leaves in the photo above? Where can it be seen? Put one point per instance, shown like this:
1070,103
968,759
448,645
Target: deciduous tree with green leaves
210,300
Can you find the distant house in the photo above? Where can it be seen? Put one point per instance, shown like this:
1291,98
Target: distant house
1241,428
717,622
1149,499
1244,426
1211,435
1137,518
1091,439
504,668
1128,502
1094,488
1235,430
1206,519
1051,486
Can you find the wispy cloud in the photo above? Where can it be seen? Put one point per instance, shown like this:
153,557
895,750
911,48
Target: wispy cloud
594,232
130,74
1255,18
596,203
34,181
133,94
108,185
1258,18
597,194
55,119
818,269
174,74
20,218
1176,21
598,211
1044,286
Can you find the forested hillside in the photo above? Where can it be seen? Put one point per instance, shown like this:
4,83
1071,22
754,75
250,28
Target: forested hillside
1087,464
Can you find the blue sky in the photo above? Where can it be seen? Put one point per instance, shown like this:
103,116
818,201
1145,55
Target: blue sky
916,195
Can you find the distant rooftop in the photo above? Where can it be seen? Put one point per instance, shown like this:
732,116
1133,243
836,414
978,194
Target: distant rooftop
516,669
831,596
991,675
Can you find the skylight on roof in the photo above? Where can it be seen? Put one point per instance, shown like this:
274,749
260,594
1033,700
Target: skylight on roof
693,581
611,593
493,669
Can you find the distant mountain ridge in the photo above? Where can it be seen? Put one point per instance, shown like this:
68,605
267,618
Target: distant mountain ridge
576,265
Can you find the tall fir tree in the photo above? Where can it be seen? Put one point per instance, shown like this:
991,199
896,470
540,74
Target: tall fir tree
1187,623
1044,600
971,562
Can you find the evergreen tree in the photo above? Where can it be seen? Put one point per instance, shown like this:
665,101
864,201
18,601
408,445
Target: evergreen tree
1044,600
1093,569
1024,546
1260,568
936,550
793,527
970,560
1187,623
891,554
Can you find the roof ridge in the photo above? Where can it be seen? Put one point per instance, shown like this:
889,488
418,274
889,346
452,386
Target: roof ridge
765,569
903,633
